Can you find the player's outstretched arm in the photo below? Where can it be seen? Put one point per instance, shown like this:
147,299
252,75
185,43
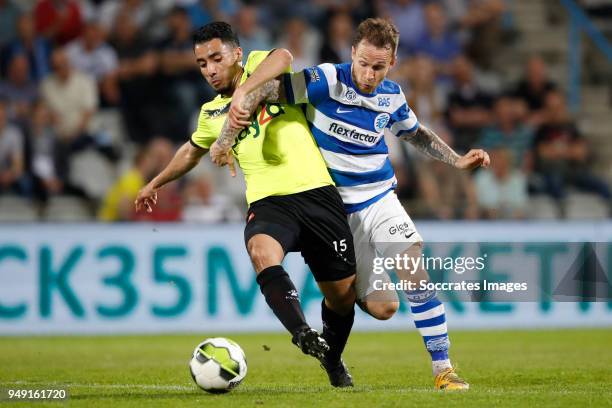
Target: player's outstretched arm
432,145
185,159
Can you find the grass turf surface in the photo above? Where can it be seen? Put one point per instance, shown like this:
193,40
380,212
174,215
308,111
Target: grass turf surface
504,368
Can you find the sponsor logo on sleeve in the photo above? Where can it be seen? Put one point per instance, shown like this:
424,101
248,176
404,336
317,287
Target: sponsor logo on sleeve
314,75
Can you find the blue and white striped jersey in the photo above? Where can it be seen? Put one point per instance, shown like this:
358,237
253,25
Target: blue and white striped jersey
349,128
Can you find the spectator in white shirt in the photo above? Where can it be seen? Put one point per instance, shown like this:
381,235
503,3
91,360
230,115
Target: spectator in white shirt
72,97
92,55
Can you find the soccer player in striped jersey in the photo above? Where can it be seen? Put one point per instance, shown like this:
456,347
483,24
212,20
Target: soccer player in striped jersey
349,107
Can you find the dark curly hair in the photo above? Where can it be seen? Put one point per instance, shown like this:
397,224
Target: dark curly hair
217,29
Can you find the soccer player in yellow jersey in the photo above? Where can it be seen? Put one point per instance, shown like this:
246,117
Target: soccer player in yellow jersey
293,204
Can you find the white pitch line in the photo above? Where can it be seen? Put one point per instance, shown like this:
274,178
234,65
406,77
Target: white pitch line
285,388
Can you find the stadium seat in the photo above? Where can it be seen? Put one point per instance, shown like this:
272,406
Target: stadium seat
17,209
542,207
585,206
67,209
109,122
92,172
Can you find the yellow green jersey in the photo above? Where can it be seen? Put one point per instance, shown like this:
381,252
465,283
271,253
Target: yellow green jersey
276,153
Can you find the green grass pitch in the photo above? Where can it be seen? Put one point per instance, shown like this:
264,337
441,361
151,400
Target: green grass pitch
505,368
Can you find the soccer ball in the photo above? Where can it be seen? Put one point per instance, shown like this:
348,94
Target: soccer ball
218,365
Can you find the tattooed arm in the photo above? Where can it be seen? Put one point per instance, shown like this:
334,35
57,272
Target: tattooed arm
271,91
426,141
262,85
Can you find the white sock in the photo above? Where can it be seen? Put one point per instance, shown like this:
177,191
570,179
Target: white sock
440,365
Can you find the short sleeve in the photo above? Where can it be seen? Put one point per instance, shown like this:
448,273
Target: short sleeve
308,86
204,136
403,122
254,59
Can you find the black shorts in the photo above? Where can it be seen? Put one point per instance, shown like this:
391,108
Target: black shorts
312,222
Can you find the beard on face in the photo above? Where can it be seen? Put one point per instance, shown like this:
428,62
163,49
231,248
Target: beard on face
223,91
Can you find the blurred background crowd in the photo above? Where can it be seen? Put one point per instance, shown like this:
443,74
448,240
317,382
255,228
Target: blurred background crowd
95,96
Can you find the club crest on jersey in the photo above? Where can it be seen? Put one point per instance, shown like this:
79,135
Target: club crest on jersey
381,120
351,95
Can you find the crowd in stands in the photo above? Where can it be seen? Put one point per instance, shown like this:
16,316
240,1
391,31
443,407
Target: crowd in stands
65,63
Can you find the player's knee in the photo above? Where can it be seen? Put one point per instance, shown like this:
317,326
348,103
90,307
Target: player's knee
415,250
261,256
264,251
382,310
